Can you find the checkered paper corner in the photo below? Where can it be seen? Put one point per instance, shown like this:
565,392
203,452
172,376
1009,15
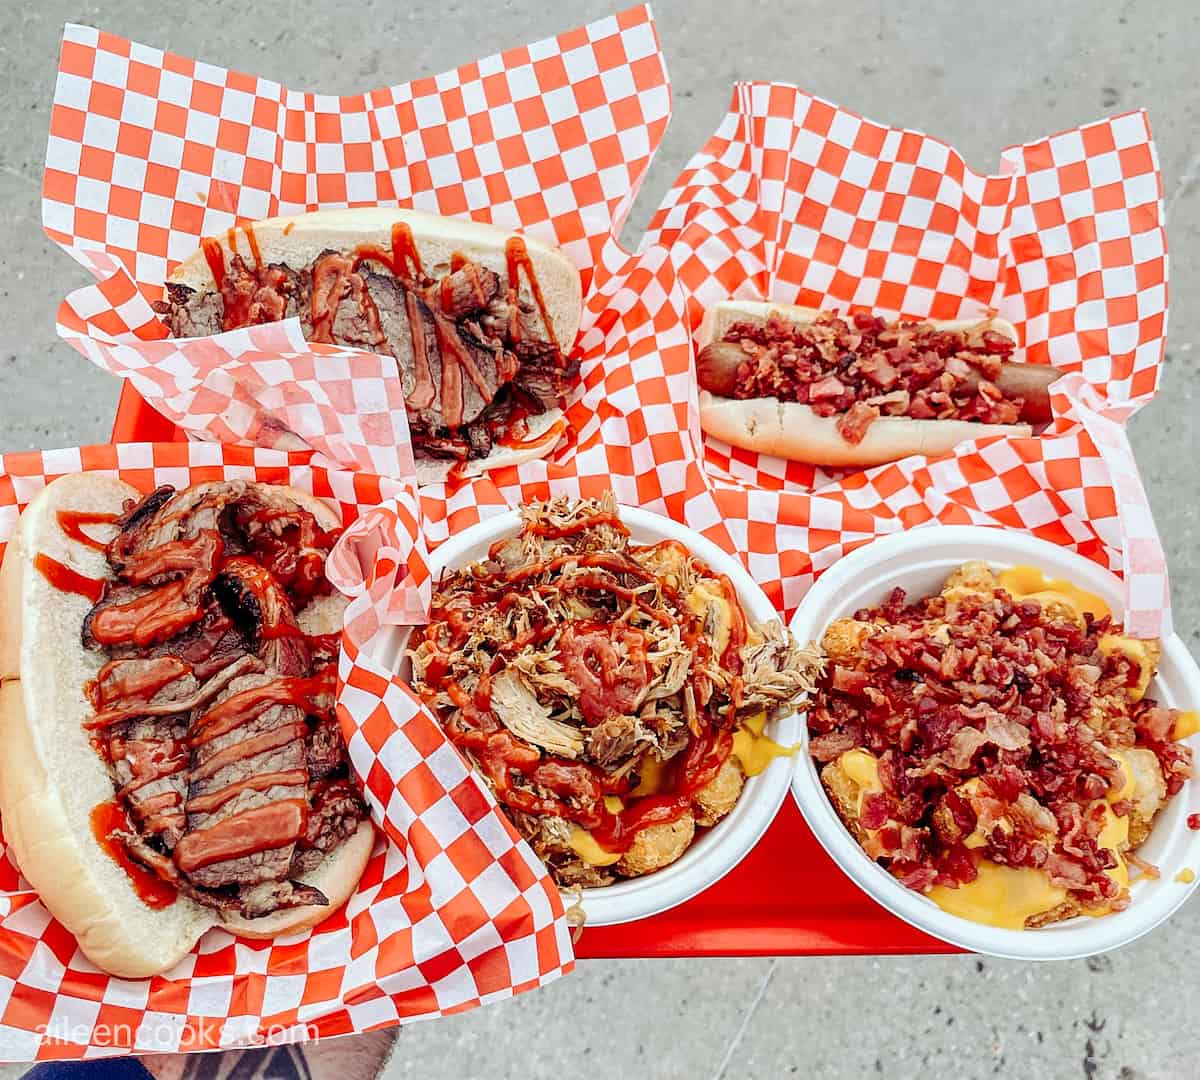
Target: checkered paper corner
148,152
633,428
453,909
797,200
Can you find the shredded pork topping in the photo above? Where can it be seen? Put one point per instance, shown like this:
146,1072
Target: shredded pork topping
572,664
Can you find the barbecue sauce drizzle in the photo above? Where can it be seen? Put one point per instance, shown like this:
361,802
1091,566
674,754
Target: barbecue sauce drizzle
65,579
72,521
109,820
517,258
261,828
477,730
115,695
334,276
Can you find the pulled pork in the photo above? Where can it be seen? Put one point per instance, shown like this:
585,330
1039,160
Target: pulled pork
597,685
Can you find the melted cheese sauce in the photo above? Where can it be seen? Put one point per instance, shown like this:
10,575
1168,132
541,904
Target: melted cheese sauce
1186,724
979,837
1140,652
585,846
651,773
1128,784
1186,875
1003,896
1029,583
863,768
755,750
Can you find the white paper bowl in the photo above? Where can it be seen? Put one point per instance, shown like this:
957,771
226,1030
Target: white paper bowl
718,850
919,562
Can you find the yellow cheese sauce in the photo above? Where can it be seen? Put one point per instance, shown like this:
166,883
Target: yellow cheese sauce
1029,583
1128,785
755,750
1141,653
1186,724
585,846
1186,876
1003,896
863,768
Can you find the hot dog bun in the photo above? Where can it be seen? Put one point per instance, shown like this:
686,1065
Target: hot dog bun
298,240
791,430
51,778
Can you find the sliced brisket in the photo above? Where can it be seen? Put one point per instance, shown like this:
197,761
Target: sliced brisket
228,805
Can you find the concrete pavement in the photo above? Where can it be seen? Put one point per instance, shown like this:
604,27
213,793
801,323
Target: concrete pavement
979,75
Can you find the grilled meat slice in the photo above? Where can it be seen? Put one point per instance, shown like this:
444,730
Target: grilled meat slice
466,291
334,814
324,751
260,607
227,777
188,313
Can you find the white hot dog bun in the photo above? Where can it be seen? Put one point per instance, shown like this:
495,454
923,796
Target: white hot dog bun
299,240
794,431
51,778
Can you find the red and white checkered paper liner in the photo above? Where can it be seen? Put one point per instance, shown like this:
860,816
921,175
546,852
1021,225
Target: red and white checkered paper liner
453,911
797,200
149,151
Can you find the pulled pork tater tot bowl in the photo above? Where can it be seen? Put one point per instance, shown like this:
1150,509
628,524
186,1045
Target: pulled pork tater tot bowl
622,687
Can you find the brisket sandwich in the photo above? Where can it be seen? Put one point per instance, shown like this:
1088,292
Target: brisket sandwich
481,320
169,755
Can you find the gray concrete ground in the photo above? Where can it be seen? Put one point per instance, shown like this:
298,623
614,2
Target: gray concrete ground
979,75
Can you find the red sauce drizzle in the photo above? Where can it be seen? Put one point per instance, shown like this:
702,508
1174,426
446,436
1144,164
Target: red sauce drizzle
214,800
120,680
72,521
261,828
552,435
255,254
109,818
214,255
244,706
62,577
169,609
248,748
404,252
517,256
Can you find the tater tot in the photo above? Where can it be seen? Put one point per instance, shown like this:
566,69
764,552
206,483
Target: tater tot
844,638
657,846
713,801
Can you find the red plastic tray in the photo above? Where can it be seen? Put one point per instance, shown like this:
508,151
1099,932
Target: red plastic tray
787,897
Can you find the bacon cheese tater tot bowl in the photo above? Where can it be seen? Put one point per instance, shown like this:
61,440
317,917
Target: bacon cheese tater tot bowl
990,754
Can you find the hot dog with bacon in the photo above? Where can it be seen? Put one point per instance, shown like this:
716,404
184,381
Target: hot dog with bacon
858,391
481,321
169,757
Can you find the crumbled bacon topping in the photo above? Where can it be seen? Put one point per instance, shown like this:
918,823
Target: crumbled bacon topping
992,719
865,368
